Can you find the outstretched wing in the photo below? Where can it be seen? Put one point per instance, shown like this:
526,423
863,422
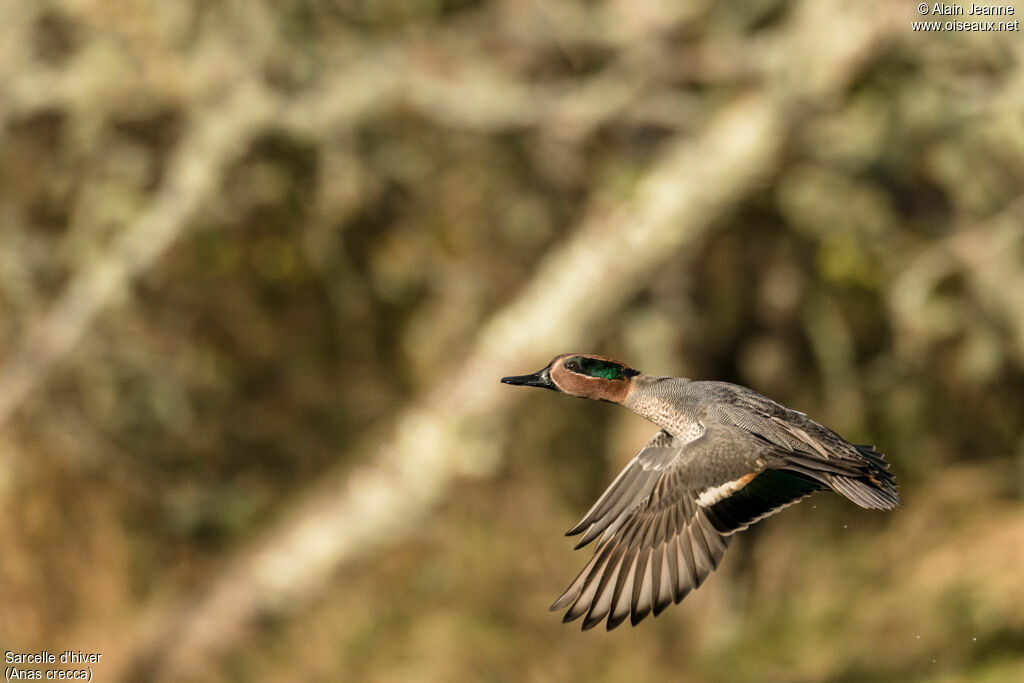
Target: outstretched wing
663,524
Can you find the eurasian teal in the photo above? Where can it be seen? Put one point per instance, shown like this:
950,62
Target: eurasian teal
724,458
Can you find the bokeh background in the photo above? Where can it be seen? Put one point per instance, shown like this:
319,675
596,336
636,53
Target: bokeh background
262,265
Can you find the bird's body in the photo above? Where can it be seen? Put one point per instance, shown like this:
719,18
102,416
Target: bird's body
724,458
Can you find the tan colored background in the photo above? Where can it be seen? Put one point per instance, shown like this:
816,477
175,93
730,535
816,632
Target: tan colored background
262,265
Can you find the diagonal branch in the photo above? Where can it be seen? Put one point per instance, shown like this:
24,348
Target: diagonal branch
451,431
193,175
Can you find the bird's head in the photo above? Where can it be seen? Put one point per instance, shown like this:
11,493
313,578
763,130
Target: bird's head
584,375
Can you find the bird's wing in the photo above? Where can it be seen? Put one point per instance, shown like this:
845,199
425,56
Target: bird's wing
856,471
664,522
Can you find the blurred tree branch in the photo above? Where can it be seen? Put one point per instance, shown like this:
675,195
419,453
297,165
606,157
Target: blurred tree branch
987,257
754,95
451,430
194,173
220,134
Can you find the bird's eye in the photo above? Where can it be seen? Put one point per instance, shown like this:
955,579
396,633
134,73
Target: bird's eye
572,365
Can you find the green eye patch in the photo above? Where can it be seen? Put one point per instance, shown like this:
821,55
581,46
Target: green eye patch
601,369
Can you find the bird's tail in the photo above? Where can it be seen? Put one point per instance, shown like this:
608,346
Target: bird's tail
867,481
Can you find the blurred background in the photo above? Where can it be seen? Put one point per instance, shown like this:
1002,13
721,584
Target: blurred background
263,264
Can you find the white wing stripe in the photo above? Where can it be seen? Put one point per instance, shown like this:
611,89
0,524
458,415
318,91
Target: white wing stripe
709,497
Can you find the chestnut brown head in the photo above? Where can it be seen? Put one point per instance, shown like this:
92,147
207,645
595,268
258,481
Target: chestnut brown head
584,375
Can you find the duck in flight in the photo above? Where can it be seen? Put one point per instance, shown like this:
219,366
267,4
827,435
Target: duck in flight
724,457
